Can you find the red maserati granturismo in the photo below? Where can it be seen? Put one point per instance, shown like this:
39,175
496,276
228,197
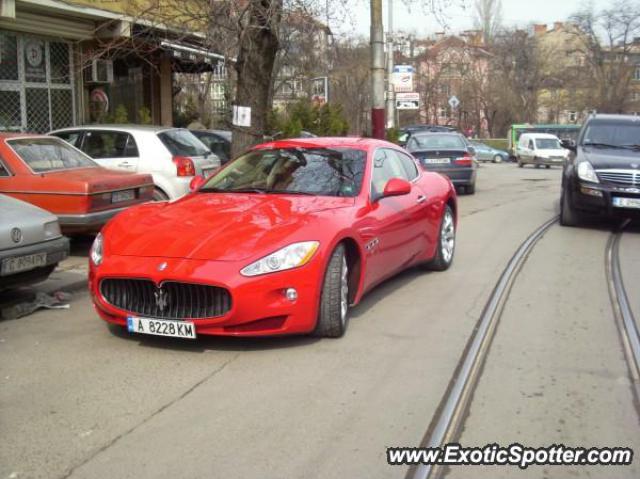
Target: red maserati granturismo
282,240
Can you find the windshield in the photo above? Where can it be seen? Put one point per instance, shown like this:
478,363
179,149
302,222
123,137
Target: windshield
183,143
315,171
422,142
615,134
48,154
548,144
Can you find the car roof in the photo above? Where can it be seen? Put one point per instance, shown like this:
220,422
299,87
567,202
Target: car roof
436,133
539,135
121,126
615,117
327,142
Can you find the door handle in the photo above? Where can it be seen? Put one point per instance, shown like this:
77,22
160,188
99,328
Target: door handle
124,163
421,199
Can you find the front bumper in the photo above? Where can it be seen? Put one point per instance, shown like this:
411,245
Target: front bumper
597,199
56,250
458,176
88,221
548,161
258,305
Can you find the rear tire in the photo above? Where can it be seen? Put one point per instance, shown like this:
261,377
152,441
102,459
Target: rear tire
547,166
445,250
159,195
568,215
470,189
334,301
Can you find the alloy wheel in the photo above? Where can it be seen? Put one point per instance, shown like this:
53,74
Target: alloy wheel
447,237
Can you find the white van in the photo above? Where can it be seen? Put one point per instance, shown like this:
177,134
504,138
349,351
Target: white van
540,149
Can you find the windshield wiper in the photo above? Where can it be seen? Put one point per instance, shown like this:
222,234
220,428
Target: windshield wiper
248,190
291,192
603,145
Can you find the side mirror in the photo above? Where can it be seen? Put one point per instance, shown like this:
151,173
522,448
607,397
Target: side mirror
397,187
196,183
568,144
472,150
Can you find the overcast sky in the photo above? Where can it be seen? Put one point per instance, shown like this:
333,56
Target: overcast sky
416,19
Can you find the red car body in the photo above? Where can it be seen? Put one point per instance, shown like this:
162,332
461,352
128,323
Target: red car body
207,238
80,197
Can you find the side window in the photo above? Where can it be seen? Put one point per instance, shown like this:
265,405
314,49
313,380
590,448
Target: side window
71,137
531,144
4,171
109,144
385,167
408,164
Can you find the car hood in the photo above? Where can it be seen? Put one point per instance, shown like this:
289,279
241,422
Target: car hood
222,227
602,158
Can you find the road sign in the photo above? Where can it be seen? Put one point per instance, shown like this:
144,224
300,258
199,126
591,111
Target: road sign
402,78
454,102
407,101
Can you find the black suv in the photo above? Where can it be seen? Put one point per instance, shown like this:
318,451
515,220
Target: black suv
602,174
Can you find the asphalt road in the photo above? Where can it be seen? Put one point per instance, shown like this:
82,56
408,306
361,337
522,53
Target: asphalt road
80,400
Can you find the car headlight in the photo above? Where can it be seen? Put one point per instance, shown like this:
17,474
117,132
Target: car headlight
52,230
587,173
96,250
292,256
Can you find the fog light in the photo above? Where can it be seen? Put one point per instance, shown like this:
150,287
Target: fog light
590,191
291,294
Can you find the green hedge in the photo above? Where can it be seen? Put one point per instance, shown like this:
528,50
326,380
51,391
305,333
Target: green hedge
498,143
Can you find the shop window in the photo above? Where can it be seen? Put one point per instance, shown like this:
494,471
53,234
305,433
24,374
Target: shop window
8,56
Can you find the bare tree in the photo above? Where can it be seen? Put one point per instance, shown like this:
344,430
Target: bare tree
488,18
607,41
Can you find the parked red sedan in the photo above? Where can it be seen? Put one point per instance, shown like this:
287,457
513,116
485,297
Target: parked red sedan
51,174
282,240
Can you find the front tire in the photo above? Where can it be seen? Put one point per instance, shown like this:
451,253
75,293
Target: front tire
497,159
334,300
520,163
568,215
446,247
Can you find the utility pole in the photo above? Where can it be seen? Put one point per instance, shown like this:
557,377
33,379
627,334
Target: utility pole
377,70
391,100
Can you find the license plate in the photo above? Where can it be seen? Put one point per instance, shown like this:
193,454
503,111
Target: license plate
120,196
437,160
164,327
23,263
626,202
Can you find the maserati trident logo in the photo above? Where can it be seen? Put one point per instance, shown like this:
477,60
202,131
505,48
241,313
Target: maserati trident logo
162,266
16,235
162,299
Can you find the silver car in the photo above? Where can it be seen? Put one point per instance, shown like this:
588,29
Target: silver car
31,245
172,156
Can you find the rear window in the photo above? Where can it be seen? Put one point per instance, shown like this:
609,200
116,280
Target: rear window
49,154
183,143
421,142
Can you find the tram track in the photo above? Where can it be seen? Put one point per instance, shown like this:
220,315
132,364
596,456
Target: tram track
448,421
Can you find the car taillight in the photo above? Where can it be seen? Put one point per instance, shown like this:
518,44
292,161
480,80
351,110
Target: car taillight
465,160
184,166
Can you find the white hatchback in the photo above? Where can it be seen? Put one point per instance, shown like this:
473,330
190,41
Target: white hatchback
173,156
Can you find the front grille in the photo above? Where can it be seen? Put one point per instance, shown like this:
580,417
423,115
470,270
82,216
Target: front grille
620,177
170,300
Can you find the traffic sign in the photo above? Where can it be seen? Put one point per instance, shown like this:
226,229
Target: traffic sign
408,101
454,102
